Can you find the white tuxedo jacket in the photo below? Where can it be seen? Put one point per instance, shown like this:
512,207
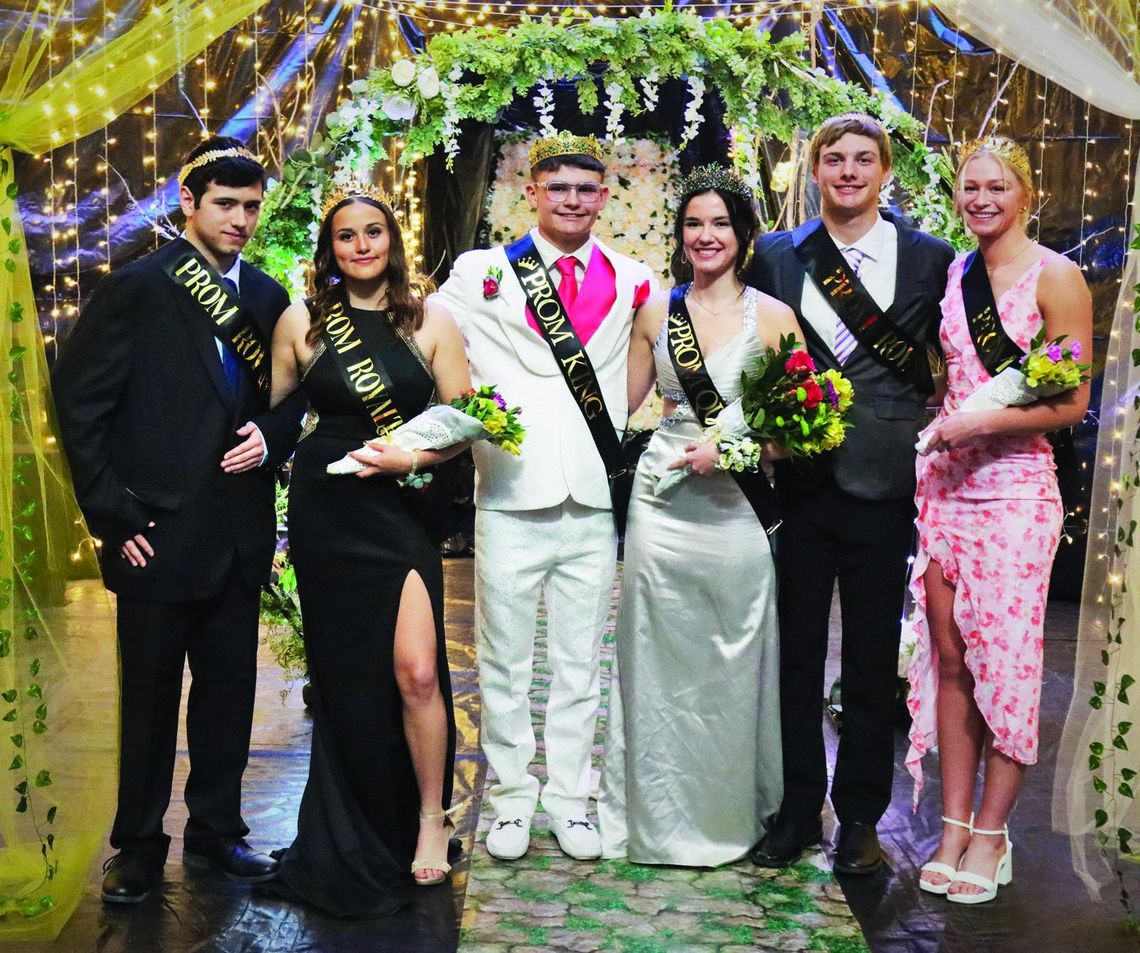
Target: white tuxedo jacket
559,458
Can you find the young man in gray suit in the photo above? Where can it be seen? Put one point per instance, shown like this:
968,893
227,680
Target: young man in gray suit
865,287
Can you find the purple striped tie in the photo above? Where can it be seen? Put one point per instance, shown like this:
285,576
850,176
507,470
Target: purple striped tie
844,340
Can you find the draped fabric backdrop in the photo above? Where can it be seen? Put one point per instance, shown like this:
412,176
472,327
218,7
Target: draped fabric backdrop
58,676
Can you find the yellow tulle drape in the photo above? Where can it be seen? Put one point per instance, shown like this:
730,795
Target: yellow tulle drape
58,660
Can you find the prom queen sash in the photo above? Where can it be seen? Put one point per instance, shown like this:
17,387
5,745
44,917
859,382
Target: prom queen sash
232,324
570,356
871,327
689,365
996,349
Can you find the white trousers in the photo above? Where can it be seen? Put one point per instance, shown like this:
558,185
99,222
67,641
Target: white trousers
568,554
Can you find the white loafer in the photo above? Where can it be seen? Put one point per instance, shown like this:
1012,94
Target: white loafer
578,838
509,837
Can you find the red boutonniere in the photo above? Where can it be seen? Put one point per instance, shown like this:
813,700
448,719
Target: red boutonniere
641,295
491,282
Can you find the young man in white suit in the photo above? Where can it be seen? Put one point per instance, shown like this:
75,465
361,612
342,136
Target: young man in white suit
543,520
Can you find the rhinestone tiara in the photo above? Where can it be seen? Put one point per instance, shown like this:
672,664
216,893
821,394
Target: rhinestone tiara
706,177
1004,148
354,190
566,144
236,152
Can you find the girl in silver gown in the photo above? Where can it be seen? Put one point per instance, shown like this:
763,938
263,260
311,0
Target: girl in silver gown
692,765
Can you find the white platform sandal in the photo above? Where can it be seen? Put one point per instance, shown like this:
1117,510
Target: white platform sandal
1002,876
937,867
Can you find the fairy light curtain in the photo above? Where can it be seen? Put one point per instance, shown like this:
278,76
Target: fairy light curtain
58,677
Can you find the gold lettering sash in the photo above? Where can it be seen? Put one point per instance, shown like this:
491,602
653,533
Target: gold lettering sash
363,374
231,322
871,327
996,349
689,364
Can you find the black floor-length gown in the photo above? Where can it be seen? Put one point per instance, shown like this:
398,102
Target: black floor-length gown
354,542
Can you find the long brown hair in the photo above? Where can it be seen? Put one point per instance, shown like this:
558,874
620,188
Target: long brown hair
406,290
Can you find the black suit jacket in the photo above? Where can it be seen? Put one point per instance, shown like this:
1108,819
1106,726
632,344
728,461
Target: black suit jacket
145,415
876,460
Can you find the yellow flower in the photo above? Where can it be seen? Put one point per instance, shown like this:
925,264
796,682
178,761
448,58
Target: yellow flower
843,389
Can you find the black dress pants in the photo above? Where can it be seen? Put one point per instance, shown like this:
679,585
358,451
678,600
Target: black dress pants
865,543
219,637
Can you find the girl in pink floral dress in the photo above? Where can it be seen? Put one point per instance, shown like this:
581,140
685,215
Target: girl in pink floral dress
989,520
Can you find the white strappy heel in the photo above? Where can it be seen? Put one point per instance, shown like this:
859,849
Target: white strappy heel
937,867
1002,876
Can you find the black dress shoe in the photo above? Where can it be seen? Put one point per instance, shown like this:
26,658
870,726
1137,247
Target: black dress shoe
131,876
857,849
786,840
234,858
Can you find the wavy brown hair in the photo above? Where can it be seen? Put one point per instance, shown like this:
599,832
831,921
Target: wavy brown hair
406,289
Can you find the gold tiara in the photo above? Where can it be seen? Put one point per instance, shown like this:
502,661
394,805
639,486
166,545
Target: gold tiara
565,144
706,177
235,152
364,190
1003,148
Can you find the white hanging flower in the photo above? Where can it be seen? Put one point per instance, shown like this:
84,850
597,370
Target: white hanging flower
614,109
358,86
544,105
693,116
650,87
398,107
428,83
403,72
450,93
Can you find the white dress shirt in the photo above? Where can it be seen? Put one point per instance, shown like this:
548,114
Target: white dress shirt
880,248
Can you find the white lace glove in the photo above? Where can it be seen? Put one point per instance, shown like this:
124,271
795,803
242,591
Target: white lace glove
437,427
729,423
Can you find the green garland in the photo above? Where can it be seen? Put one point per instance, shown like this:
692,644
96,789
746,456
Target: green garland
768,92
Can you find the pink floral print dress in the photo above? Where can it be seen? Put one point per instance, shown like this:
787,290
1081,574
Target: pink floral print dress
990,514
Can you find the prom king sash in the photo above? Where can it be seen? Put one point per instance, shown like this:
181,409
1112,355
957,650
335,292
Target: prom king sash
870,326
689,364
569,352
232,324
361,370
996,349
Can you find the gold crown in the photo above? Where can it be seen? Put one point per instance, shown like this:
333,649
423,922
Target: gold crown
706,177
1001,147
364,190
236,152
565,144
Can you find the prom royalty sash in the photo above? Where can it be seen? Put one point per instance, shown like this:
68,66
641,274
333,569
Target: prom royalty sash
573,362
689,365
870,326
232,324
996,349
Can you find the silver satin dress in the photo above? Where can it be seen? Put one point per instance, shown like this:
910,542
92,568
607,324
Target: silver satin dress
692,767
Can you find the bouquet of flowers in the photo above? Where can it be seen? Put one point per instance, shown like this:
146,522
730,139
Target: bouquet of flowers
786,400
480,414
1047,370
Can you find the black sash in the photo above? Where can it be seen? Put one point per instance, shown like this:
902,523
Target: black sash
996,349
841,287
569,352
232,324
364,374
705,399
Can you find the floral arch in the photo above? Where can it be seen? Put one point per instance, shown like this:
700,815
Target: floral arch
400,115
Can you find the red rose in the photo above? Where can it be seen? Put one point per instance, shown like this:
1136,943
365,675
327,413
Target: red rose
799,362
813,392
490,287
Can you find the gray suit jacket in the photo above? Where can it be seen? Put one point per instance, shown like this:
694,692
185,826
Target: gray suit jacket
876,460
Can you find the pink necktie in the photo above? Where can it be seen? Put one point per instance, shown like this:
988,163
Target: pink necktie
568,284
844,340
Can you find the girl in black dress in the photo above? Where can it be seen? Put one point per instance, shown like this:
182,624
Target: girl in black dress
369,353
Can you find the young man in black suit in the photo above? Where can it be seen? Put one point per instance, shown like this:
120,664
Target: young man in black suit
865,287
162,391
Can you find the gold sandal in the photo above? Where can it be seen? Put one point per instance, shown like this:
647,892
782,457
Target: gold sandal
432,863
